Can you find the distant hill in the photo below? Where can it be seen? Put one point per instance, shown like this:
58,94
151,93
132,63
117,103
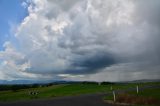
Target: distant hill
142,81
62,82
25,81
148,80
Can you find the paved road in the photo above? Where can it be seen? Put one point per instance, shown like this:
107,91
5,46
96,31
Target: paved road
82,100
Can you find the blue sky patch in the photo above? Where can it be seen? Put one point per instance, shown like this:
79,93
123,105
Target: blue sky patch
11,12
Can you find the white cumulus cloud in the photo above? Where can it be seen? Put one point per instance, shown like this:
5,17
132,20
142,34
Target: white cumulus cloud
85,39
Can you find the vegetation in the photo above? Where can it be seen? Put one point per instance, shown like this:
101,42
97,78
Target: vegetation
29,92
51,91
17,87
149,96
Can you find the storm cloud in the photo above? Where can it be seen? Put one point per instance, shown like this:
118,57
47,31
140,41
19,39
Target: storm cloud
85,40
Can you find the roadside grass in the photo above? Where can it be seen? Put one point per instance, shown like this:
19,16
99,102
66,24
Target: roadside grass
52,91
146,97
65,90
74,89
151,92
23,94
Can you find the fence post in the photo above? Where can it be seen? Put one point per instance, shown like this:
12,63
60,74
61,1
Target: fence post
99,83
137,89
114,96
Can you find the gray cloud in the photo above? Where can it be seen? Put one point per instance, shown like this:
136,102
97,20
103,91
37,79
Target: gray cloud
91,64
86,40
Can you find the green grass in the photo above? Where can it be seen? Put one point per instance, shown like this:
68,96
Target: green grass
150,92
63,90
52,91
146,93
154,92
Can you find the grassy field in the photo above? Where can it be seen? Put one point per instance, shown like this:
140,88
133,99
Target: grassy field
152,92
63,90
52,91
146,97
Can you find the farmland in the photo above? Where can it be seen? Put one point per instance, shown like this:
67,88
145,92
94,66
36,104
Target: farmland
59,90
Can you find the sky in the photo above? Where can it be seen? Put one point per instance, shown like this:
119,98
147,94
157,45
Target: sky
94,40
12,13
